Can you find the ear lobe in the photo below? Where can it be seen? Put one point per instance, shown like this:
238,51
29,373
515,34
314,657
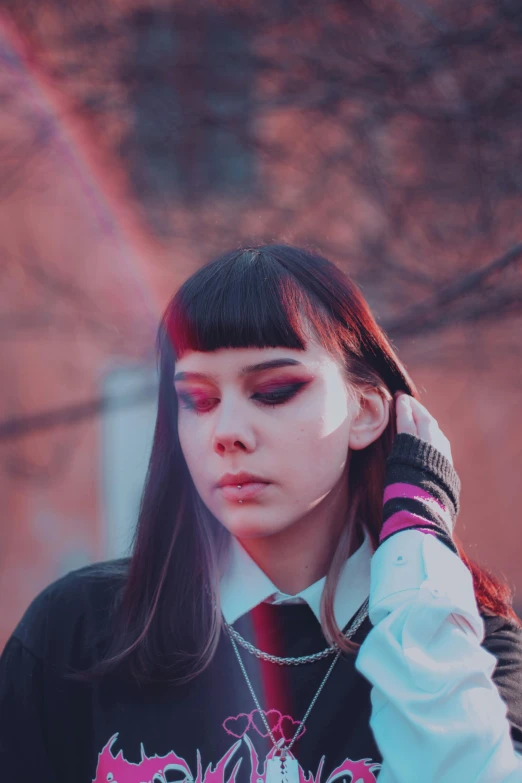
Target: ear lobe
371,419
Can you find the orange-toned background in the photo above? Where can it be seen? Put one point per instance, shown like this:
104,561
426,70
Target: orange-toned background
85,277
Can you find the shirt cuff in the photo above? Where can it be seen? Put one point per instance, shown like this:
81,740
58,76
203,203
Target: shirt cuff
413,567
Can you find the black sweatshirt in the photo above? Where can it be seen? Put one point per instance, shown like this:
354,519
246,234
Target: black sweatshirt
54,730
57,730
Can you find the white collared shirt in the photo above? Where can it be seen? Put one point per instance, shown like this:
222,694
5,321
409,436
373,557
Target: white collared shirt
244,586
437,715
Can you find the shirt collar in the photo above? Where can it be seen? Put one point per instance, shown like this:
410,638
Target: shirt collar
244,585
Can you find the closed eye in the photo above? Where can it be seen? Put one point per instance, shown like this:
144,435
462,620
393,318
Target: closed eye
278,396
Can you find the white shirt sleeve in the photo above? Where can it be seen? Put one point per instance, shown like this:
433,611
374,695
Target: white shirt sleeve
437,716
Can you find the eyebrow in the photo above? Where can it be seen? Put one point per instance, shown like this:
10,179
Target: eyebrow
251,368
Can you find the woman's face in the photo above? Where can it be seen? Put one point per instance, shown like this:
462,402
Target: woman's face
285,416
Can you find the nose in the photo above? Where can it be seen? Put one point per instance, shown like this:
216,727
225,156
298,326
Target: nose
232,431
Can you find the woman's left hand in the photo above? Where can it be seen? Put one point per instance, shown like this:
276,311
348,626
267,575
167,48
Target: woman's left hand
414,419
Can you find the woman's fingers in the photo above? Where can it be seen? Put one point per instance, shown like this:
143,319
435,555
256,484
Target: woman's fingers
425,422
405,420
415,419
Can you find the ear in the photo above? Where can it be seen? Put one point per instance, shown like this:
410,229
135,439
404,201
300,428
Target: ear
371,419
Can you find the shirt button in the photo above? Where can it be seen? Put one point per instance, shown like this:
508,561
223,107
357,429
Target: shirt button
400,560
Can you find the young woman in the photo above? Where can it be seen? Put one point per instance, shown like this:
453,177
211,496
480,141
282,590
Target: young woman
296,608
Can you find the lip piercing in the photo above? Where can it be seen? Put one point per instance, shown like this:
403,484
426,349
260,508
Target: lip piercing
239,487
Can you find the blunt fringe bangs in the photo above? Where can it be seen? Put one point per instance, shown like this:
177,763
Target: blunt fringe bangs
267,297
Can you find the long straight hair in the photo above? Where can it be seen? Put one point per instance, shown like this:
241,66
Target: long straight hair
167,621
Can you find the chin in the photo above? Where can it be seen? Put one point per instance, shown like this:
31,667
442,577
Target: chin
241,526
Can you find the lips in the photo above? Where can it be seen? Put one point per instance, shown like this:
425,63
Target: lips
241,478
242,486
242,492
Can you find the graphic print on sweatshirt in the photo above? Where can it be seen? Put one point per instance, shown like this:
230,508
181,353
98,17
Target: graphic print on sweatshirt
159,769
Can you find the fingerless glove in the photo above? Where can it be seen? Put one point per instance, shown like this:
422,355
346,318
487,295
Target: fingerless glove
421,491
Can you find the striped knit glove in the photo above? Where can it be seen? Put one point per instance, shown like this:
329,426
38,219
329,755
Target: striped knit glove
421,491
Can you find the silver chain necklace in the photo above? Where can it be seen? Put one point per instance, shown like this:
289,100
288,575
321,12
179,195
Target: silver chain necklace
289,661
281,768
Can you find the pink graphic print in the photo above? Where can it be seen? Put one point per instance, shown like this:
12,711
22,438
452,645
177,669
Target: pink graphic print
154,769
281,726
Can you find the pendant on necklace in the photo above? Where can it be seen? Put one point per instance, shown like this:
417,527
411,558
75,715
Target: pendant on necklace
282,769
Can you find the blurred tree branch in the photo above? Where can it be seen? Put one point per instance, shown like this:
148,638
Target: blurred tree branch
69,415
493,302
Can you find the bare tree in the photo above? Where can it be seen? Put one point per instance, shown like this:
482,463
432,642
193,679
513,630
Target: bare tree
385,135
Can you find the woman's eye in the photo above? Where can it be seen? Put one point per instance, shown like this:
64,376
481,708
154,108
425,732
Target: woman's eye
196,405
280,395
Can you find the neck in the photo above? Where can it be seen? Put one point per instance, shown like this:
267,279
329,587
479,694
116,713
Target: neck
300,555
